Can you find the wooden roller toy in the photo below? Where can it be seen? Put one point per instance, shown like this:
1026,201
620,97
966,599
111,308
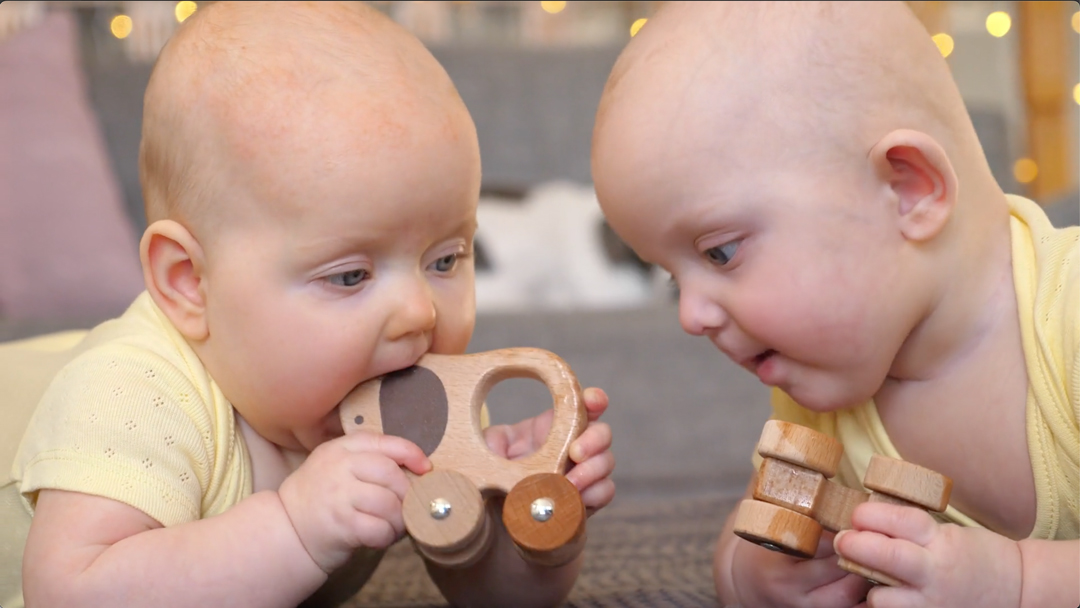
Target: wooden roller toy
437,404
795,498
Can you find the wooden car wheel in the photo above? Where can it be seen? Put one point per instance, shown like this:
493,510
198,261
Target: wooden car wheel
908,482
545,517
777,528
445,516
800,446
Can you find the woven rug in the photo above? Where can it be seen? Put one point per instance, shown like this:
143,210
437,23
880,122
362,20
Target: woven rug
639,553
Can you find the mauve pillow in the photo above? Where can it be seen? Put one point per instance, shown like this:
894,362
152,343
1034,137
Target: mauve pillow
67,250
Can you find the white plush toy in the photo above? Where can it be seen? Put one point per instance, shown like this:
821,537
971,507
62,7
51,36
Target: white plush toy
547,253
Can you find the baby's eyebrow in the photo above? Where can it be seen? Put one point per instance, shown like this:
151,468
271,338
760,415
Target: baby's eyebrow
321,250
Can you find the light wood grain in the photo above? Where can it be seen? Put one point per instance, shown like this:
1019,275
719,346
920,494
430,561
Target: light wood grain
438,404
801,446
777,528
559,539
792,492
790,486
927,489
467,379
836,504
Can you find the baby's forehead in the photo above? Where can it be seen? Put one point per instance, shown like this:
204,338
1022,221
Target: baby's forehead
280,73
247,49
266,92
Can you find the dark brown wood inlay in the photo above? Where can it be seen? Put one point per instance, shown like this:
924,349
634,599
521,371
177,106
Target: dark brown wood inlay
413,405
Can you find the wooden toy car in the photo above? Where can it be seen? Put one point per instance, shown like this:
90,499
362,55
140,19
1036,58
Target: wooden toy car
795,498
437,404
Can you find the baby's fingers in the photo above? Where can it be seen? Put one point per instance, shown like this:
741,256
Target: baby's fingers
894,597
400,450
382,504
595,440
895,521
898,558
598,495
374,532
596,402
592,470
845,590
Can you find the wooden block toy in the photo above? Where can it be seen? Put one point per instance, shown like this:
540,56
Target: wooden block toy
795,498
437,404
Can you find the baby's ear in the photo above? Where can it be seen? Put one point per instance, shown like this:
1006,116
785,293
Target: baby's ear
173,267
918,171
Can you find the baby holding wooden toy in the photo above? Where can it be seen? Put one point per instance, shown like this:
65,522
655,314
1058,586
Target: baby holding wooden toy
311,179
808,174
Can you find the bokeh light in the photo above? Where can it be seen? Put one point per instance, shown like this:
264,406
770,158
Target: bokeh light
944,44
636,26
1076,94
1076,22
552,7
185,9
120,26
1025,170
998,23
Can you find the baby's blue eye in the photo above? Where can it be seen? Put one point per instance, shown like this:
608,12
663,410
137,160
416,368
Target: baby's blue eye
723,254
445,263
351,278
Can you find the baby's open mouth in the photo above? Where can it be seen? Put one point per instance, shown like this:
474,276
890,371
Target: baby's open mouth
758,360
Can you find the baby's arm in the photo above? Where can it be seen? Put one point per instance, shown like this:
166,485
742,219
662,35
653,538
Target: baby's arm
270,549
1049,569
86,550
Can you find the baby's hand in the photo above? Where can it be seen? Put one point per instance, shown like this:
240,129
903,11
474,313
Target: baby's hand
591,451
769,579
939,564
348,494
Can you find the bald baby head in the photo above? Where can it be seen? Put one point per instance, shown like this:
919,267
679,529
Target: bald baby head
842,73
243,91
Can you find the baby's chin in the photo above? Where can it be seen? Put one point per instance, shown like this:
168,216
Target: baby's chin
825,399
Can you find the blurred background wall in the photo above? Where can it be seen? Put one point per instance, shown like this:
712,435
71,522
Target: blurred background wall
72,75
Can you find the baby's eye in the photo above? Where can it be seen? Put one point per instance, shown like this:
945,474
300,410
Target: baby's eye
723,254
351,278
445,263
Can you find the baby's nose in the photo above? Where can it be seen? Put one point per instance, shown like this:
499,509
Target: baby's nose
698,314
414,312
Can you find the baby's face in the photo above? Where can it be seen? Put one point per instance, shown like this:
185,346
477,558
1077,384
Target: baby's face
344,254
783,256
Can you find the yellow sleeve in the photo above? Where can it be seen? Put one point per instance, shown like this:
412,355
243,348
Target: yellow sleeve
485,417
121,423
26,369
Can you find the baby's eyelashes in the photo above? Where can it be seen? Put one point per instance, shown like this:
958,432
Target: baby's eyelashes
350,278
722,254
446,263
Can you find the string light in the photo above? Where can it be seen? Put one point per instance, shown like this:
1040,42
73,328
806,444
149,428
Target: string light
998,23
636,26
944,44
185,9
1025,170
120,26
552,7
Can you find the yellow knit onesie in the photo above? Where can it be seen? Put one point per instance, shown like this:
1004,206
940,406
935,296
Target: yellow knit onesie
131,415
1046,273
